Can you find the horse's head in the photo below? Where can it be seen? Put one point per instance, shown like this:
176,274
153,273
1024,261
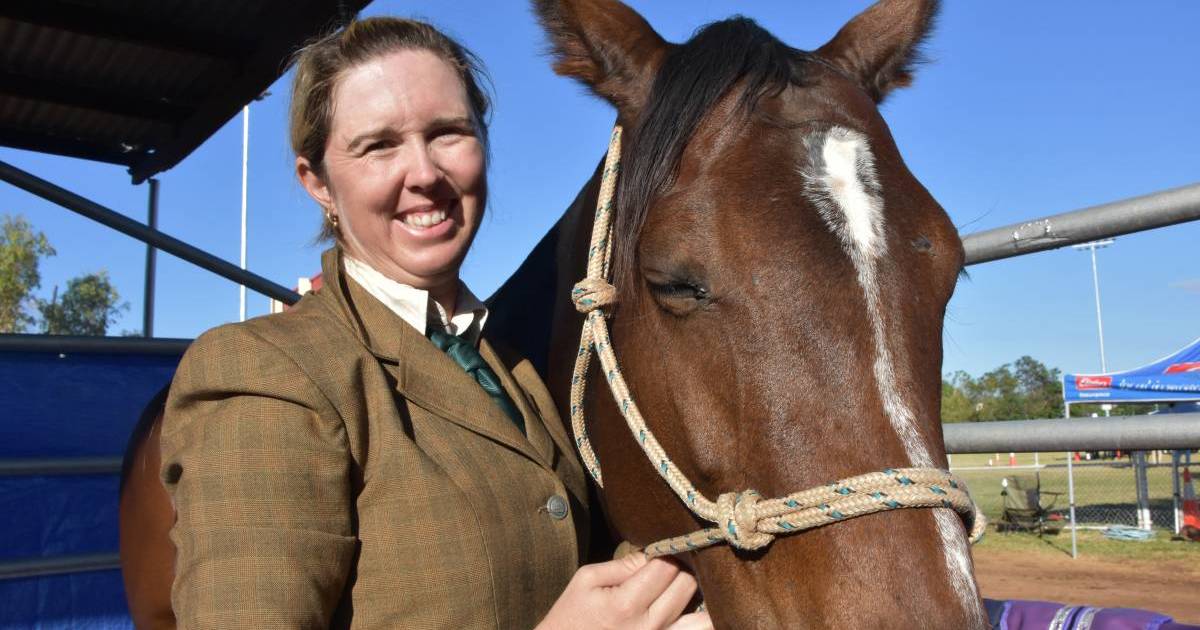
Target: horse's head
782,280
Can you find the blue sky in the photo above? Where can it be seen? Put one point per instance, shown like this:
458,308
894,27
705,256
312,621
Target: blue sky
1027,109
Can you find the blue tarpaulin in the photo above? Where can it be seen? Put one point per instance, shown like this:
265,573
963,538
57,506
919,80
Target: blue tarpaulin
1173,378
64,405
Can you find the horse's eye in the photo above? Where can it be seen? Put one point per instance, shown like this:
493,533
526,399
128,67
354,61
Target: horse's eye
679,297
679,291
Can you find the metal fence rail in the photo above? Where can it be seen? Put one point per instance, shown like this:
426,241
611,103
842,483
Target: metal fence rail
125,225
58,566
1126,433
1147,212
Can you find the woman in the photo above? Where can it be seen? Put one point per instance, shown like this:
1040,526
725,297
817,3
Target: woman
368,459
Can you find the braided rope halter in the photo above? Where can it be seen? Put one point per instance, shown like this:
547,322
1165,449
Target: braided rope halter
743,519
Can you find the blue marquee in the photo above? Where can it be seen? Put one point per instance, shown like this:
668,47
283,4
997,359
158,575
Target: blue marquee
1175,378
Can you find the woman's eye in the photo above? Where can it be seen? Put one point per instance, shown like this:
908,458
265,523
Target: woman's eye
378,145
449,134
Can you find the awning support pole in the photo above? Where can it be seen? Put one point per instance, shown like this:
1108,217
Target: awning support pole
152,223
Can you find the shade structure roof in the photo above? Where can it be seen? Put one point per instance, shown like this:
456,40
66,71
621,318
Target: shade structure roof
1172,378
142,83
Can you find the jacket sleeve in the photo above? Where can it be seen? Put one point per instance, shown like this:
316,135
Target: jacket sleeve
257,464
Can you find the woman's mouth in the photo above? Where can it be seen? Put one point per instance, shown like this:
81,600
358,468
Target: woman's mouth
423,219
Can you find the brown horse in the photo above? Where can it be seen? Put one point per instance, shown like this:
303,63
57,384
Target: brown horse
782,279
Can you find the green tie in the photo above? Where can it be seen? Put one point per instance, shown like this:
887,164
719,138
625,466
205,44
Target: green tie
466,356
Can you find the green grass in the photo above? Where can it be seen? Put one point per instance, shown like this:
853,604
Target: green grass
1093,544
1105,492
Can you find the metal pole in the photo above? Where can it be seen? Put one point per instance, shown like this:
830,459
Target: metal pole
148,299
1099,319
1142,486
1071,491
245,161
61,565
1137,214
1175,492
121,223
1126,433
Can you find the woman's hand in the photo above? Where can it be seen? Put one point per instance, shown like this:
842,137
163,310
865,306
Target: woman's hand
631,592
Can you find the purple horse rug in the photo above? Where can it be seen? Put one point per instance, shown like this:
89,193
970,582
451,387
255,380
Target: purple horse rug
1029,615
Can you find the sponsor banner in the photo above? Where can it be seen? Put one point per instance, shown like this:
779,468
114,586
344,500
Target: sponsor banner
1093,382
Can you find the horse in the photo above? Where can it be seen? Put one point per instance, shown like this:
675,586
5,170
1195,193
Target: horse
782,279
781,283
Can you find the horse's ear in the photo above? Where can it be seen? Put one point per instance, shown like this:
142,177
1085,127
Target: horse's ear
880,46
606,45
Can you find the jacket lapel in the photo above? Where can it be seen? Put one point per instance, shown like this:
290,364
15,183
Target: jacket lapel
535,428
425,375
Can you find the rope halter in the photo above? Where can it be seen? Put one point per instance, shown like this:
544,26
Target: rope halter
590,294
739,520
743,519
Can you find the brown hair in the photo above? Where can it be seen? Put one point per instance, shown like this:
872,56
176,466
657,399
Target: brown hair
321,63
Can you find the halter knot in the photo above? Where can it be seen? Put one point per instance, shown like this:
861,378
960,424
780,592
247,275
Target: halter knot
590,294
737,516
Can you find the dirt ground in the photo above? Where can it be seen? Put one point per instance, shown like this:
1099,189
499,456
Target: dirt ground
1171,587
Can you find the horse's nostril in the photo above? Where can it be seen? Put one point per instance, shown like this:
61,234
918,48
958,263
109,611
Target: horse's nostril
173,473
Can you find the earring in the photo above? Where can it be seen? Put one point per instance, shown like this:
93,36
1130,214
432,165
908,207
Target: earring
331,218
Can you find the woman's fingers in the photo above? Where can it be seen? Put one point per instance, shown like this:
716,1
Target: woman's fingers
649,583
613,572
694,621
673,600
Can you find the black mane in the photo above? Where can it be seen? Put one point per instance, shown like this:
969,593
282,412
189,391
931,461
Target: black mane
693,77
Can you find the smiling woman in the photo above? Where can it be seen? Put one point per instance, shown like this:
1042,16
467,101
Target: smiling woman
370,458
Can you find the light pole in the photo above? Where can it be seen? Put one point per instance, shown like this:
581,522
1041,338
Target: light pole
1093,246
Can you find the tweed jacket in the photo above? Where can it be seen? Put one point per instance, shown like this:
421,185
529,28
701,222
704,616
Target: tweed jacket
331,468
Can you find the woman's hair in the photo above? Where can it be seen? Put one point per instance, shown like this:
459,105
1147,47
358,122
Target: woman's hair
321,63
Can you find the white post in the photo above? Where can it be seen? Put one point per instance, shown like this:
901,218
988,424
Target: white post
1143,490
1071,489
1175,491
245,163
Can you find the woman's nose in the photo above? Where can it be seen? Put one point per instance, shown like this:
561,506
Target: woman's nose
423,173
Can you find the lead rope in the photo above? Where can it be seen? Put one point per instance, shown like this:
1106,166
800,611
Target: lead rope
743,519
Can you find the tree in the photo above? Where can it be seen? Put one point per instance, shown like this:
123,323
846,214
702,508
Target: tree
1014,391
87,307
20,251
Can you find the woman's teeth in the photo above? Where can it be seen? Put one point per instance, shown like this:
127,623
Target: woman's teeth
422,220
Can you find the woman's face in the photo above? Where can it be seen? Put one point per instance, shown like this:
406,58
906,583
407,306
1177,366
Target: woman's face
404,168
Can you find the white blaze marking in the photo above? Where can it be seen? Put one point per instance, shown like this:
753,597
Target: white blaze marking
842,184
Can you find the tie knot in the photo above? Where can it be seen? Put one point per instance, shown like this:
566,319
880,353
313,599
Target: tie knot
457,348
737,517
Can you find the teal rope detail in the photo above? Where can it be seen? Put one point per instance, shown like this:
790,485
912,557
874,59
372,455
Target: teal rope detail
936,490
663,466
844,490
785,525
894,504
792,503
836,515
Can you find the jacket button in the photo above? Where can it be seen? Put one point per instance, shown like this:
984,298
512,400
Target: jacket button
556,507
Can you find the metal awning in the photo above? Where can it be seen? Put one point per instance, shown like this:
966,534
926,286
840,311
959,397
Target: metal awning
142,83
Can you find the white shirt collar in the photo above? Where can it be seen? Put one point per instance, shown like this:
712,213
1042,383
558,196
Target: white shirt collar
414,305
